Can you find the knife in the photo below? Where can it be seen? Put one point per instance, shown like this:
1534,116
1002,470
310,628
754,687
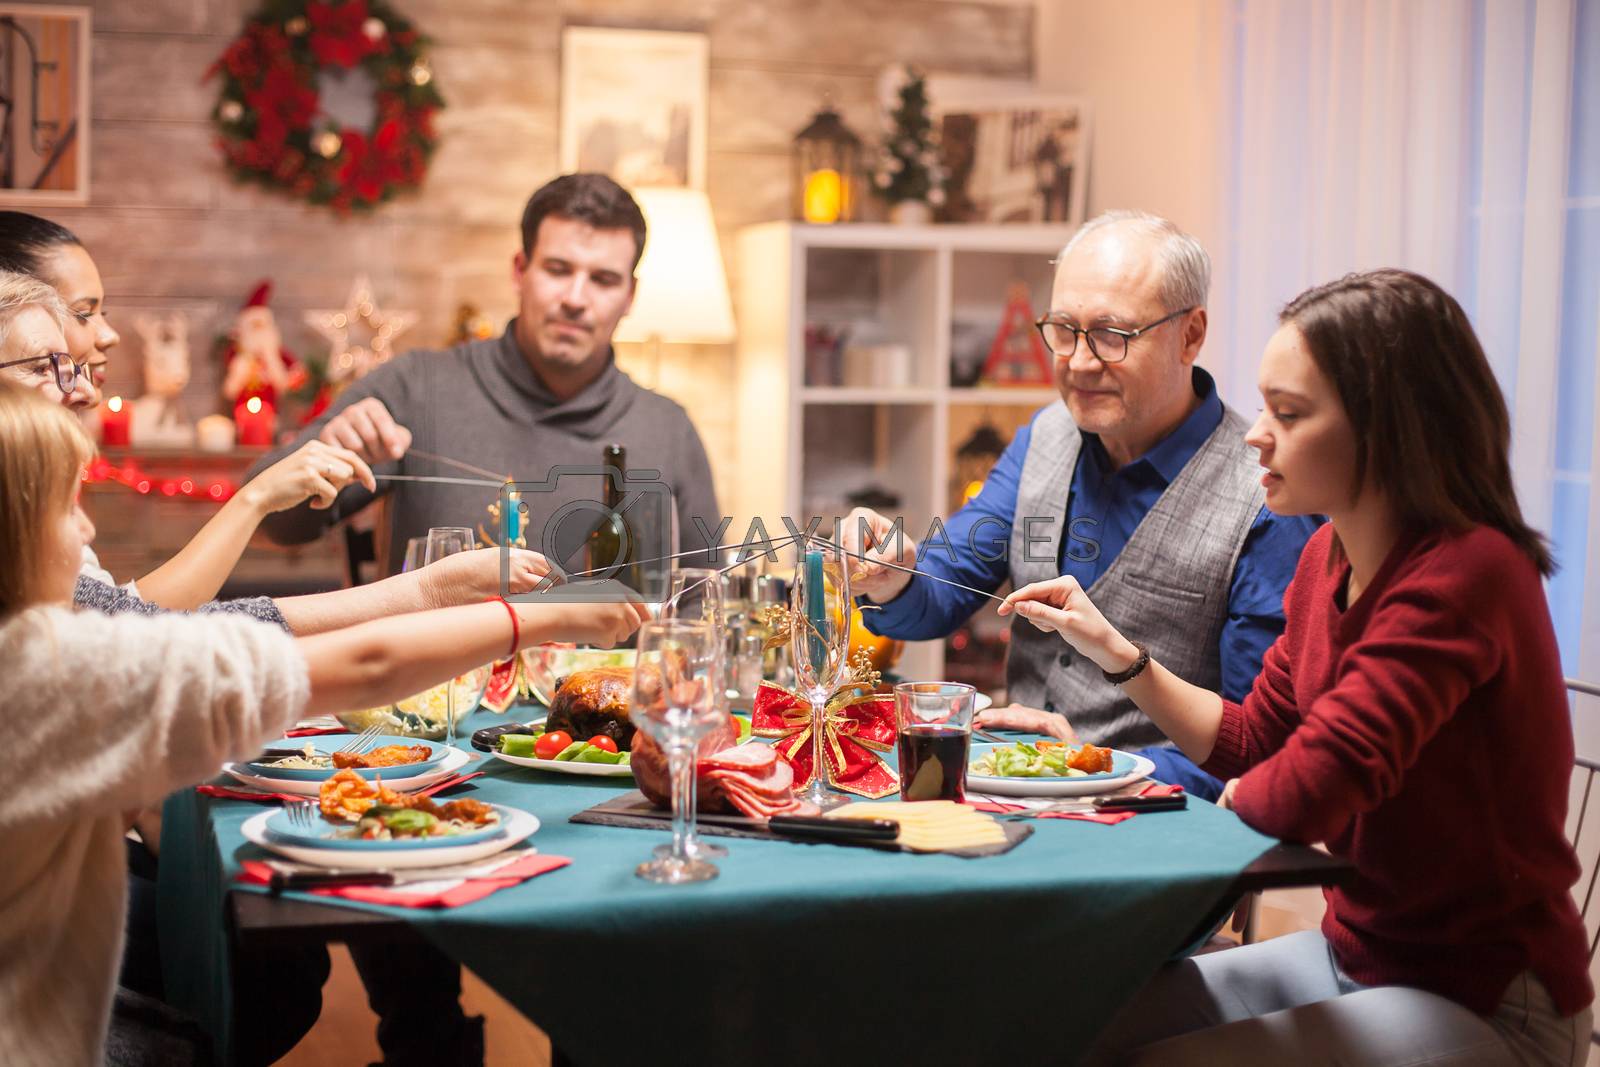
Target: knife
271,755
822,828
292,876
1108,805
1174,802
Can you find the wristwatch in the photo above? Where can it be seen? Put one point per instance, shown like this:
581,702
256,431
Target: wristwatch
1134,671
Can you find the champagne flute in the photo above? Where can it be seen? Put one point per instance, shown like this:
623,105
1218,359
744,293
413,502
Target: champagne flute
819,644
447,541
696,595
673,701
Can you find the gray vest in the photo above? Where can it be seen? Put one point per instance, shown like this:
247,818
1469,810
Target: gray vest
1167,588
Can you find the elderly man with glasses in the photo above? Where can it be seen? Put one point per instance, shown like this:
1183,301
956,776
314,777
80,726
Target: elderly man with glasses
1139,484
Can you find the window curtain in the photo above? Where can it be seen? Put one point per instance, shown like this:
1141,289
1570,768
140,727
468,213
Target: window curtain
1459,139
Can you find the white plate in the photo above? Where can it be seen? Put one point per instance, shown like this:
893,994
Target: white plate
583,770
452,762
519,827
591,770
1058,787
982,702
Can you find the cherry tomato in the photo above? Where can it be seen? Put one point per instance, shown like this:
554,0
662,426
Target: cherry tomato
552,744
602,741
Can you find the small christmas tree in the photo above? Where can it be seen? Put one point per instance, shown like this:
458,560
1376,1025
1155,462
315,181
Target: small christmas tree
908,164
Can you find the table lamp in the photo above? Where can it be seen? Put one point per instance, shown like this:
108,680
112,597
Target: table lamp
682,293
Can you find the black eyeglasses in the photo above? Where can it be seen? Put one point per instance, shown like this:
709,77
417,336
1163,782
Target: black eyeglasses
61,363
1106,343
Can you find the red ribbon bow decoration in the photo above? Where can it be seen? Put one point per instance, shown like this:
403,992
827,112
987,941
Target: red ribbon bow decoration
857,726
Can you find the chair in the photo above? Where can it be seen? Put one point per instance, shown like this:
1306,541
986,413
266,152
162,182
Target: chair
1588,769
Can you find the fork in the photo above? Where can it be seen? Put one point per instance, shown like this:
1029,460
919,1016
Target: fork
364,741
302,815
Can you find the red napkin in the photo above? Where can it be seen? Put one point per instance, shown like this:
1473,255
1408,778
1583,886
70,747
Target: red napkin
445,783
1110,818
314,731
463,891
228,793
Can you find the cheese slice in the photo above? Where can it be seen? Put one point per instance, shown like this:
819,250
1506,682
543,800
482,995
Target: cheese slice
931,825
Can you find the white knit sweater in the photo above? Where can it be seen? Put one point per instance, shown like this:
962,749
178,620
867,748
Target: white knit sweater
101,715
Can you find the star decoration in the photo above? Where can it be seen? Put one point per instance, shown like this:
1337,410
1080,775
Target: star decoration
360,335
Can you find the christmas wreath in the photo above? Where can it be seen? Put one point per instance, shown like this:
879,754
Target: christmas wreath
273,128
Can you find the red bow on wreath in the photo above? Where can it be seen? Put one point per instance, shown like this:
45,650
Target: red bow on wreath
857,726
338,33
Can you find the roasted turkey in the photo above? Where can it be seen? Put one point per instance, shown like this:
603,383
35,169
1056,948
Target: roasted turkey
593,702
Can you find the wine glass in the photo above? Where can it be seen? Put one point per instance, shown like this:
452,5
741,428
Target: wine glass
696,595
447,541
674,701
416,552
819,645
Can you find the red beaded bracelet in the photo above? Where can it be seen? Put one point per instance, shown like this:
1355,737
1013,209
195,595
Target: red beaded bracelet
516,626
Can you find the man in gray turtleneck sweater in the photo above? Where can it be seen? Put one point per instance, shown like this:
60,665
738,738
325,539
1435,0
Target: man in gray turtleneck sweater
546,393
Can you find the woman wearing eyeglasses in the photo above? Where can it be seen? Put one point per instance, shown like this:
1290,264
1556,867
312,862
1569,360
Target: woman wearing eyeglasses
33,351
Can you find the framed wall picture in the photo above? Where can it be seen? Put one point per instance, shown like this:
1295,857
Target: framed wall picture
633,105
44,104
1013,155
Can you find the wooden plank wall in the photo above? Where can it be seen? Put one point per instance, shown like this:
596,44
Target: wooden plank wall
170,230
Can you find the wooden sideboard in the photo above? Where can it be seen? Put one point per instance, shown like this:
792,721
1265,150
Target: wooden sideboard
136,532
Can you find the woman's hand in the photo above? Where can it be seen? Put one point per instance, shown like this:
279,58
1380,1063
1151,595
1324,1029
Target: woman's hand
603,625
314,470
1028,720
1061,605
468,577
1226,799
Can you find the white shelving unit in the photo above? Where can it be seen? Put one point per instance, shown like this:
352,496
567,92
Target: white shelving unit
806,444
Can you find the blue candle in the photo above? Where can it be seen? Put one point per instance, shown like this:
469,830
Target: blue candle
511,510
817,609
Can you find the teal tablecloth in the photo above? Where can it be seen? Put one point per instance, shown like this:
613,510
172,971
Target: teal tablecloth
797,953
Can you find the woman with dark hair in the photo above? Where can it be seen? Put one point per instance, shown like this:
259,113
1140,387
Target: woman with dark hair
1412,717
45,250
52,253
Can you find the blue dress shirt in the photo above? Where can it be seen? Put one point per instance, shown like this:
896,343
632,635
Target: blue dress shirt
1103,510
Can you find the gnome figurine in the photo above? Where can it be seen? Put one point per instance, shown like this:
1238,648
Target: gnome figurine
257,363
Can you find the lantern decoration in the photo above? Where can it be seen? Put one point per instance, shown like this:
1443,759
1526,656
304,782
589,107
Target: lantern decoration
975,458
826,160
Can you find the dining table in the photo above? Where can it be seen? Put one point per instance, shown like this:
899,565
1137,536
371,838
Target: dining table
797,952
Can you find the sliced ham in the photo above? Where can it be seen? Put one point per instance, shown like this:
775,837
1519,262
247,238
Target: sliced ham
776,781
749,779
746,757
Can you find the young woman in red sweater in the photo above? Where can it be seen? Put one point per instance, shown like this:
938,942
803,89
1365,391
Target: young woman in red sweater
1412,717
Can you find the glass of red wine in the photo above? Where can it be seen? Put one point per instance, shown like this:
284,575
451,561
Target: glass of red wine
934,722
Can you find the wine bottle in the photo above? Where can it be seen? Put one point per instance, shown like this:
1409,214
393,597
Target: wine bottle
613,548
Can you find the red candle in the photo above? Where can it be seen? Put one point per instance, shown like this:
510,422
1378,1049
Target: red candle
115,419
257,421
